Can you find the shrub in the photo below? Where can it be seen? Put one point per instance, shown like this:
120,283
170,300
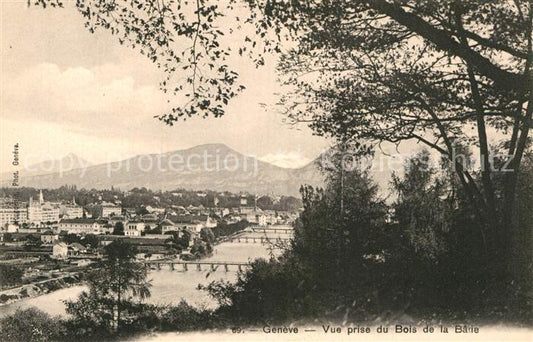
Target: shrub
31,325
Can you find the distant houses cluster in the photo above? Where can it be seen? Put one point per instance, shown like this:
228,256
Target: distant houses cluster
35,213
48,221
46,239
105,217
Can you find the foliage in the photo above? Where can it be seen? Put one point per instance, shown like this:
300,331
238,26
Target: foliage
92,314
184,317
32,241
118,229
30,325
182,238
10,275
206,234
90,240
8,237
442,73
420,207
200,248
112,289
348,264
268,291
224,229
138,198
339,243
71,238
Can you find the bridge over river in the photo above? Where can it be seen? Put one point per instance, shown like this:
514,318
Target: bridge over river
198,265
174,279
284,229
256,239
257,235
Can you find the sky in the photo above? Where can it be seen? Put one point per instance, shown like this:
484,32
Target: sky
64,90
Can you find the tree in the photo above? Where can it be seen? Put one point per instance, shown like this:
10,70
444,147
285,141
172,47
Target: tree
288,203
341,254
8,237
112,288
71,238
265,202
206,234
200,248
32,241
90,240
10,275
181,238
423,207
341,224
427,71
118,229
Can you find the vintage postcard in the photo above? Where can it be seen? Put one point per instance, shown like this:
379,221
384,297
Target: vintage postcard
266,170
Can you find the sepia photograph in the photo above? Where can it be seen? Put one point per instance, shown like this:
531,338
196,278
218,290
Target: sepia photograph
266,170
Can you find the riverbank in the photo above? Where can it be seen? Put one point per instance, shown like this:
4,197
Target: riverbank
169,287
48,286
43,287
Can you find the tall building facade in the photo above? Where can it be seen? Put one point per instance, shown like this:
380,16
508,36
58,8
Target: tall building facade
41,211
13,212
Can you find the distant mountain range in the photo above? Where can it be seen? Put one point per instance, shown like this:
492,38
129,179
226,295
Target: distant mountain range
67,163
213,166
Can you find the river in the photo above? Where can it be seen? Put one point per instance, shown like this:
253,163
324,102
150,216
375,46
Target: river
168,287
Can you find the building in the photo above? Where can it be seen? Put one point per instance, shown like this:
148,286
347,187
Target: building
60,251
13,211
156,210
254,216
49,213
150,220
106,209
76,248
49,237
82,262
71,210
41,211
168,226
262,219
129,212
222,212
106,228
12,228
34,210
113,221
81,226
132,232
192,222
134,228
110,209
207,221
